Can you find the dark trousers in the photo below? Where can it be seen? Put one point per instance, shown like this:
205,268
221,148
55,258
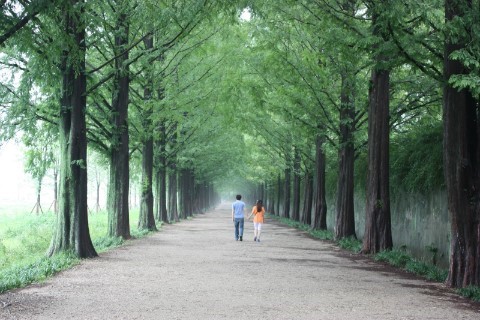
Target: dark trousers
238,227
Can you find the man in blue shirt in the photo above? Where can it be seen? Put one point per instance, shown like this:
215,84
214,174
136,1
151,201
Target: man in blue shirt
238,217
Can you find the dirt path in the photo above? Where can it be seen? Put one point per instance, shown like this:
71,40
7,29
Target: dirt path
196,270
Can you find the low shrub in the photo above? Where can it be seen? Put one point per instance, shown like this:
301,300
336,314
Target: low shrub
471,292
350,243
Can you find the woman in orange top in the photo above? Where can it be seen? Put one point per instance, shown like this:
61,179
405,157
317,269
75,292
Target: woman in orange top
258,212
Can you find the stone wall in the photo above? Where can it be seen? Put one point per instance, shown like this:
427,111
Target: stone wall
419,223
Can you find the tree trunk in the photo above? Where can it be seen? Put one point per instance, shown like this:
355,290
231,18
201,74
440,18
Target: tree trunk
55,189
38,205
296,186
172,180
461,153
97,205
162,176
271,197
308,199
320,211
345,218
172,193
191,192
279,193
118,204
146,219
71,231
378,230
287,187
182,193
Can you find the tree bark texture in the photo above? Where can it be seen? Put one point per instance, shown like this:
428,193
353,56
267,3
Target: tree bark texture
146,219
287,187
320,202
183,184
279,193
345,218
55,189
296,186
461,138
161,174
308,199
118,206
271,198
378,230
71,231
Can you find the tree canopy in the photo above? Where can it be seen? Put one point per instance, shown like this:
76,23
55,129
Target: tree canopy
252,97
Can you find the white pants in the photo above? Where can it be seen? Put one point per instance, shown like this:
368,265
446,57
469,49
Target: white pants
257,226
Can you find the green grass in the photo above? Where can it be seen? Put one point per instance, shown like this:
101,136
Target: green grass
318,234
401,259
20,275
350,243
25,239
471,292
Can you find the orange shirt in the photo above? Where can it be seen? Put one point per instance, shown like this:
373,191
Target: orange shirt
258,216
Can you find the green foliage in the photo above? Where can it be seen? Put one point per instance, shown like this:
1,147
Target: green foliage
416,159
350,243
401,259
471,292
18,276
319,234
104,243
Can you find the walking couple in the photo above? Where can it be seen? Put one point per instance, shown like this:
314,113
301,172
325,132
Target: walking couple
238,217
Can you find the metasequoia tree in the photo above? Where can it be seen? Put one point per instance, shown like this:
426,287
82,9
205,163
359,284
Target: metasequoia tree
71,232
146,218
378,230
118,190
461,135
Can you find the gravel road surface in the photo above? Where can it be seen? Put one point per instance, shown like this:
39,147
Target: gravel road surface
196,270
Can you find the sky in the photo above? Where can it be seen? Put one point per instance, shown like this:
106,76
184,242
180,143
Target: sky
246,14
16,187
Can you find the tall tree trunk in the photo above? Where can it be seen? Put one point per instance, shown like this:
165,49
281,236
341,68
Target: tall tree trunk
172,192
71,231
287,186
182,193
55,188
461,154
38,205
172,179
162,175
191,192
97,205
320,210
308,199
296,186
146,219
271,197
118,204
345,219
279,193
378,230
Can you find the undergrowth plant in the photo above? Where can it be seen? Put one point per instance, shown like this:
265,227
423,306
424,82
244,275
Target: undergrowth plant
319,234
401,259
471,292
24,241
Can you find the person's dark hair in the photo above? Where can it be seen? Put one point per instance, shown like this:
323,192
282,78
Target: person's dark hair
259,205
239,196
